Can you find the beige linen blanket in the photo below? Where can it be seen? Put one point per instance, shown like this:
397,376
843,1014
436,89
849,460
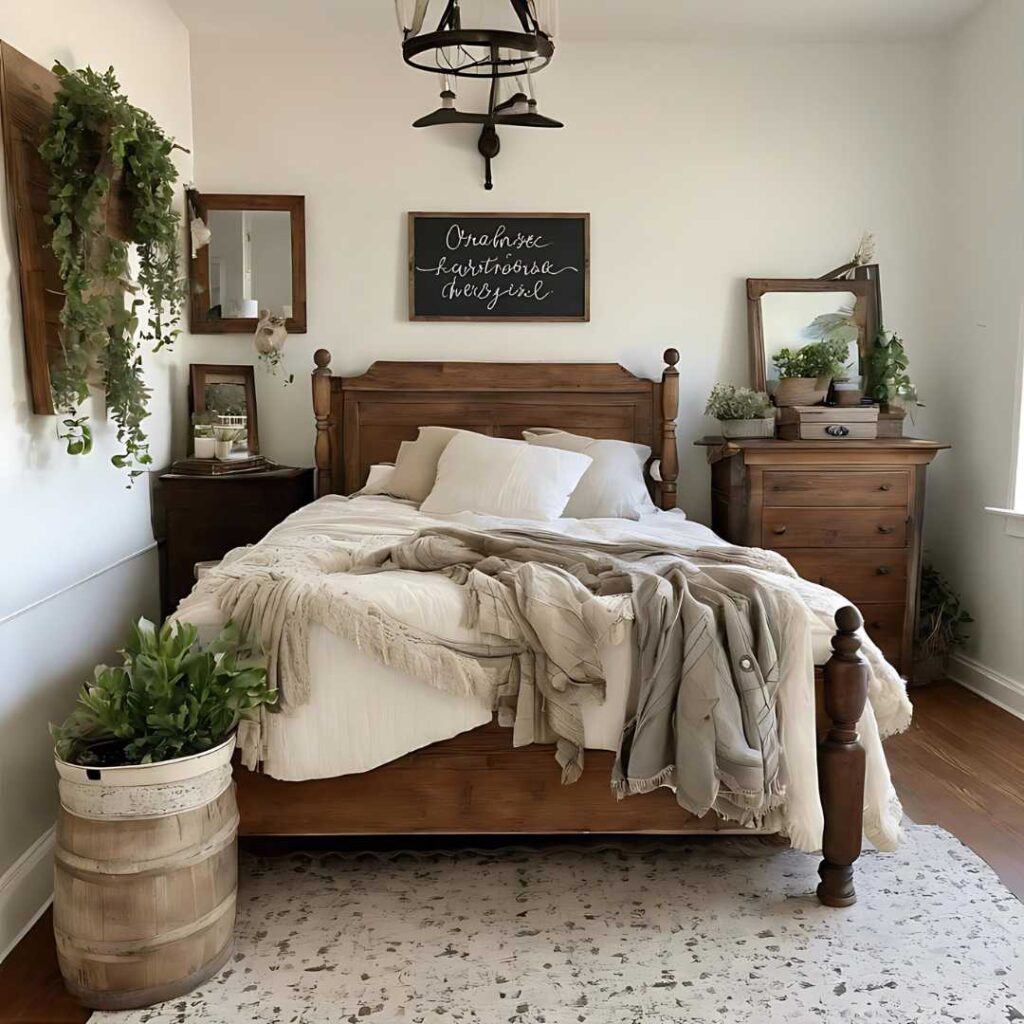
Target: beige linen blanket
706,657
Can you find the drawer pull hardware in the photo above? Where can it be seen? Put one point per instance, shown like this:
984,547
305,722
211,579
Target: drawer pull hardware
885,487
883,570
779,529
887,529
837,430
876,625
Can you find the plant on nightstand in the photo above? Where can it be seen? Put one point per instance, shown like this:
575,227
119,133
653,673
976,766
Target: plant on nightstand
146,831
204,444
805,373
741,412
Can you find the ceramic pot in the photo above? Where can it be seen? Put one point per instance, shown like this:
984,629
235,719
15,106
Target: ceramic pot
761,427
222,449
205,447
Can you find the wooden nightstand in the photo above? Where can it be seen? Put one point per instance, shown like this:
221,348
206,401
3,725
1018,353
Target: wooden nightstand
847,514
200,518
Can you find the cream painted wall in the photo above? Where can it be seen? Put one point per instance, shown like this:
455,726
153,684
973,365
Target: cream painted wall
64,520
971,368
707,165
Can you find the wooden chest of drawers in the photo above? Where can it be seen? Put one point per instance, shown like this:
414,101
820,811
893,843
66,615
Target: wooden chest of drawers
847,514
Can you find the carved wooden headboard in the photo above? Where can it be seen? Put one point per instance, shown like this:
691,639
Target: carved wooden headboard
362,420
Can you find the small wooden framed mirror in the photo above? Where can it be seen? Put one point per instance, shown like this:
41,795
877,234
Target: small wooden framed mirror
228,395
786,313
255,260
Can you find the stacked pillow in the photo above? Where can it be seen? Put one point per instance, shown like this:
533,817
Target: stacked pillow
550,474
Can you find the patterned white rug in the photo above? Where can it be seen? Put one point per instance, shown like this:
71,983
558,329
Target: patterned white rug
723,931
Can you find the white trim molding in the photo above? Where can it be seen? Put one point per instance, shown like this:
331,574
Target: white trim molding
1001,690
1014,519
26,889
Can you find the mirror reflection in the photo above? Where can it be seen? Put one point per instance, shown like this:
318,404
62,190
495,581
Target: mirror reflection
795,319
250,260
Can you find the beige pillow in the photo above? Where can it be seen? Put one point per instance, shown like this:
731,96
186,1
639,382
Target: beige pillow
416,466
500,477
614,486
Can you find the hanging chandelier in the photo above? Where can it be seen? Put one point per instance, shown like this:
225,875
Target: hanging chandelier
518,44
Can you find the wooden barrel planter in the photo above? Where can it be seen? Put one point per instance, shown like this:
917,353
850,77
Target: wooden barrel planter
146,871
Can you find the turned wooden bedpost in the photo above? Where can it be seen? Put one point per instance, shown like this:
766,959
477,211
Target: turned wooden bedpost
841,762
323,456
669,411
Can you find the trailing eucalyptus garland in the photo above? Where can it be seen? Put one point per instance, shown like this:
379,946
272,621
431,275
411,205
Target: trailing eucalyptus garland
97,146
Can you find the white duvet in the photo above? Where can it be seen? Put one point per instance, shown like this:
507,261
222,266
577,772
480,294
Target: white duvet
363,714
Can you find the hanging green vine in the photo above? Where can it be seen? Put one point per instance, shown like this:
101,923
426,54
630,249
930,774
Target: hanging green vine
98,147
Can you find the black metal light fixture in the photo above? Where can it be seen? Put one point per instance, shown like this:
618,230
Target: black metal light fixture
457,48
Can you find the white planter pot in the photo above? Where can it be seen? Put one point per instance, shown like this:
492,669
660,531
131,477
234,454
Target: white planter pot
205,447
223,449
146,790
763,427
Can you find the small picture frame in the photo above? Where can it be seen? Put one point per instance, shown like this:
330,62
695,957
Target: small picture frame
228,393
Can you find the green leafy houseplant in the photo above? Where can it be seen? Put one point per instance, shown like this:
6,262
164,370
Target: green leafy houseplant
169,698
890,382
826,358
941,618
98,146
729,402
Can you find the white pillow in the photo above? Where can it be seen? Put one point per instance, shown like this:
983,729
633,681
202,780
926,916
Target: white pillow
613,486
500,477
377,478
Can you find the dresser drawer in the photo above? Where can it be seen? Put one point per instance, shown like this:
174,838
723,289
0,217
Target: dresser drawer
884,624
837,488
783,528
859,574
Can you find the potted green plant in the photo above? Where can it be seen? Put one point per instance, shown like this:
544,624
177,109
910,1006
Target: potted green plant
204,444
147,825
806,373
891,385
741,412
940,626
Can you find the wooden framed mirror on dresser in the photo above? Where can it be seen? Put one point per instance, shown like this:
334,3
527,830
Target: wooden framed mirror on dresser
847,514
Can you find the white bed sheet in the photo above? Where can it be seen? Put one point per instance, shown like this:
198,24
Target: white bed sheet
363,714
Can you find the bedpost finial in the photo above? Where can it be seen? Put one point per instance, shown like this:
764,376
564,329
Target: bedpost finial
671,356
848,619
322,358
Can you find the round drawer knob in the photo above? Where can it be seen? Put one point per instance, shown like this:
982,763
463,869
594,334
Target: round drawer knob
887,529
885,487
883,570
779,529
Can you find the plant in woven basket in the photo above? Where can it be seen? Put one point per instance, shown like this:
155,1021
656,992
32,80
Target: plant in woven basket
729,402
99,147
168,698
826,358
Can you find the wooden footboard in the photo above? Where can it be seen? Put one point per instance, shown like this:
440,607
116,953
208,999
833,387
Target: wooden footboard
477,784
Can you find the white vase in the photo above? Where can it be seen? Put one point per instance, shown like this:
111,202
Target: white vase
205,447
223,449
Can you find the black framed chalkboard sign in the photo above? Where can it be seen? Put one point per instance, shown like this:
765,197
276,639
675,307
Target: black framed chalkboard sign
500,267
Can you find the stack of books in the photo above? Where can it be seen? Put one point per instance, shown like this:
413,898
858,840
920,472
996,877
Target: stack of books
241,463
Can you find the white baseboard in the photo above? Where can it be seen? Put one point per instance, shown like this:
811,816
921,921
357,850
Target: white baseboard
1001,690
26,889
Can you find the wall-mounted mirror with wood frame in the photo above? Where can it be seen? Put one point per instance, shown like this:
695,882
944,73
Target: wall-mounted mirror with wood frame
255,260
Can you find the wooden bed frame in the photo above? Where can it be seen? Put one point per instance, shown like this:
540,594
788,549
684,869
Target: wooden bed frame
476,783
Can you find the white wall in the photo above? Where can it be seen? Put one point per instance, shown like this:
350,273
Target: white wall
69,522
970,369
706,165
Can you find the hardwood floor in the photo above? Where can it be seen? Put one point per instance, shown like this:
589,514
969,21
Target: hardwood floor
960,765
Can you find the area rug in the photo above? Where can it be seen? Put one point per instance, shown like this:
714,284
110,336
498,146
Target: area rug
723,931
